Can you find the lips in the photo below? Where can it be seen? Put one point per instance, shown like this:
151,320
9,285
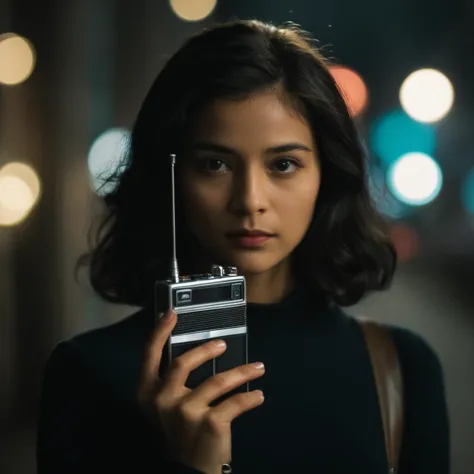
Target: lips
250,238
250,233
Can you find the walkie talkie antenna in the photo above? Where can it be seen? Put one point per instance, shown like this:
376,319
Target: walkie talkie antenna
174,263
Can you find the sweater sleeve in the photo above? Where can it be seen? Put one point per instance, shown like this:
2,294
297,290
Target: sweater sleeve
70,439
426,444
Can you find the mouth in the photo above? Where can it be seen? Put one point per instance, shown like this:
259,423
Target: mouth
250,238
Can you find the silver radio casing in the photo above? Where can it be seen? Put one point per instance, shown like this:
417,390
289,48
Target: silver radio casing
209,306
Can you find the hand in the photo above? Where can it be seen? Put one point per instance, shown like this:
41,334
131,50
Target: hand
198,435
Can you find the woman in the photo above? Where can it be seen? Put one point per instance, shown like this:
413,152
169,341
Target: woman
264,145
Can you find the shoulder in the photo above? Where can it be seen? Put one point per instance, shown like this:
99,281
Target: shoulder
420,363
427,431
413,349
422,371
423,376
128,333
415,352
111,354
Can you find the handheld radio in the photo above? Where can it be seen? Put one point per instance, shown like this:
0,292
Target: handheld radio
208,306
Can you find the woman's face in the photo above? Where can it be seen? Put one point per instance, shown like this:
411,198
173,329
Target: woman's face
252,167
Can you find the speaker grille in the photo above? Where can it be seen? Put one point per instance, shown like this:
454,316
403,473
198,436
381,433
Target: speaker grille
218,318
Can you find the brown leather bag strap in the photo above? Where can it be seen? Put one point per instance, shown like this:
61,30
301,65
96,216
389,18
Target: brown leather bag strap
388,378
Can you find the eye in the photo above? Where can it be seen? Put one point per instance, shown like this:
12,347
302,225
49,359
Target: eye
286,165
213,165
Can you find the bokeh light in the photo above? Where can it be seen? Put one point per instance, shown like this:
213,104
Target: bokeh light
105,156
415,178
405,240
352,87
467,192
396,134
193,10
19,192
427,95
17,59
384,200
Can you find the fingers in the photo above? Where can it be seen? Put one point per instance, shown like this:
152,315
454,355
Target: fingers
233,407
224,382
153,351
181,366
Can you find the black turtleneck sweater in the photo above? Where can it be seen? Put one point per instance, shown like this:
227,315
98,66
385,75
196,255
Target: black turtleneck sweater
320,414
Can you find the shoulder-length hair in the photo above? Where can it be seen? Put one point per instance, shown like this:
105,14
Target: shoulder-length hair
346,251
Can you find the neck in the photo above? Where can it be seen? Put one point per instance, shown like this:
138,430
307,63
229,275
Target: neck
271,286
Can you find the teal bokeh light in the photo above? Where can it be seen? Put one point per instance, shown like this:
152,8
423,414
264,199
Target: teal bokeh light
396,134
467,192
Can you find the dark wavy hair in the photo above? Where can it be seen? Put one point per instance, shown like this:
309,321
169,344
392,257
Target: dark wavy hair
346,251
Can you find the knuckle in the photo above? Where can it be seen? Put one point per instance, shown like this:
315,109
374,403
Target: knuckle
213,423
221,380
178,364
160,400
188,414
154,346
241,400
162,404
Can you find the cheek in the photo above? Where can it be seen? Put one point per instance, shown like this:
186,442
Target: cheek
296,210
202,204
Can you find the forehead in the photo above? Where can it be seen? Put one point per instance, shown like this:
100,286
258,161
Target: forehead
260,119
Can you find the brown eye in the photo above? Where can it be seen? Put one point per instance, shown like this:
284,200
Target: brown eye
213,165
285,165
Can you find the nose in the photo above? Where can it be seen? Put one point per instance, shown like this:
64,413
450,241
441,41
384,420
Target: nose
249,194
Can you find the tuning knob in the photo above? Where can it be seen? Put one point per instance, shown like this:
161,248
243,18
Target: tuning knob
230,271
217,271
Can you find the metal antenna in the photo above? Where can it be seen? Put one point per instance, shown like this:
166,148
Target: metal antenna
174,263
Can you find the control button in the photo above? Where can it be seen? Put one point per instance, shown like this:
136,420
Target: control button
184,297
217,270
236,291
230,271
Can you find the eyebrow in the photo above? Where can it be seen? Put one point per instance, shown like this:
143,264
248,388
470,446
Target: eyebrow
285,148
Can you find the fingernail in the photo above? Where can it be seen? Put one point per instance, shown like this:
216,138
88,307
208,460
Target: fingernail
166,318
259,365
220,343
260,394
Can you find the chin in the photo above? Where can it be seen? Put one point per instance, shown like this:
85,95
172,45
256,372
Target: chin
254,262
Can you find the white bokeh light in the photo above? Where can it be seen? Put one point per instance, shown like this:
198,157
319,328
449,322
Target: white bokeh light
415,179
105,156
192,10
19,192
427,95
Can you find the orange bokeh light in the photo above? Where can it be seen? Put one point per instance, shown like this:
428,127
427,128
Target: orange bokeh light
353,88
406,241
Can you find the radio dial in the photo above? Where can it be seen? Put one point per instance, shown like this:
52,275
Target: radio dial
217,271
230,271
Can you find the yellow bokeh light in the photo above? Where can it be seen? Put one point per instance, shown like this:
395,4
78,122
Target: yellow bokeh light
17,59
19,192
26,173
15,194
193,10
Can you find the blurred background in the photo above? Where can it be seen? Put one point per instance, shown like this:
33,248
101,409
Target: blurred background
72,78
